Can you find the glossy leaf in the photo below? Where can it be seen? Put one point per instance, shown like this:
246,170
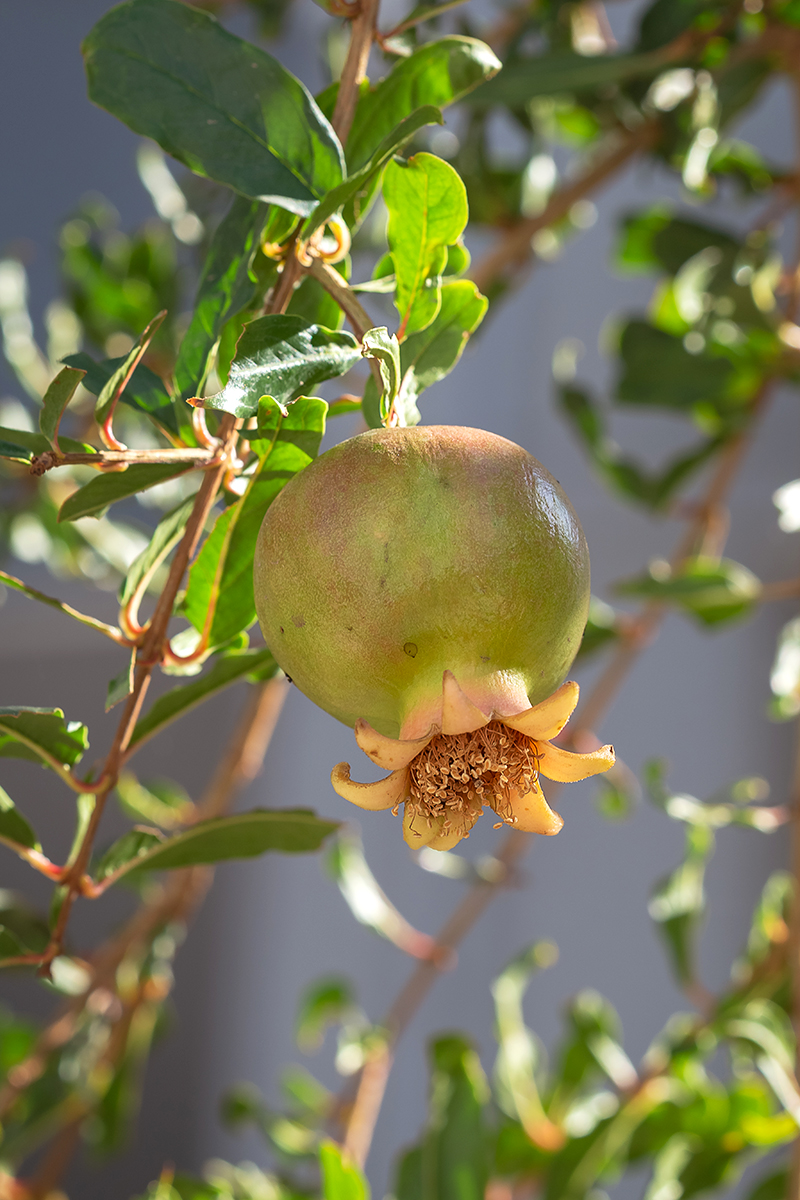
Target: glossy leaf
220,591
165,537
95,496
55,401
341,1178
438,73
427,204
145,390
244,835
42,735
715,592
282,356
358,186
223,107
226,287
228,669
562,71
13,826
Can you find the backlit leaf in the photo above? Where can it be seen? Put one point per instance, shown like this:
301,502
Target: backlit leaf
341,1178
13,826
42,735
784,679
55,401
145,390
714,591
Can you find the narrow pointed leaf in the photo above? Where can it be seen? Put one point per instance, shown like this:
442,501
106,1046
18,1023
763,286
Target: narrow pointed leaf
563,71
145,391
105,489
55,401
22,444
13,826
282,356
166,535
244,835
223,107
376,343
42,735
34,594
116,383
226,287
121,685
254,664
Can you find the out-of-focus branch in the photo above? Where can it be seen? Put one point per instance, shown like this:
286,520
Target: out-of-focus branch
355,67
514,249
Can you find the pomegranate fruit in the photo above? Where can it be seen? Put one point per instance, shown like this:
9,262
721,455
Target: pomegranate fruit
429,586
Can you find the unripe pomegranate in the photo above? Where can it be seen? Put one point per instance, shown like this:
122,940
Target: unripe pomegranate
423,584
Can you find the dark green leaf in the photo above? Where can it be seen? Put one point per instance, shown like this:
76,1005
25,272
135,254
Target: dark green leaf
15,451
223,107
772,1187
121,686
96,495
226,287
655,238
180,700
14,827
244,835
165,537
32,932
42,735
714,591
658,370
341,1178
145,390
455,1159
665,20
55,401
125,852
244,1105
315,304
358,185
438,74
282,356
562,71
427,204
327,1002
23,444
221,576
115,384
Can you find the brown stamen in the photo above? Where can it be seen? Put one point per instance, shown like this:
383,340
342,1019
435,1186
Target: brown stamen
456,774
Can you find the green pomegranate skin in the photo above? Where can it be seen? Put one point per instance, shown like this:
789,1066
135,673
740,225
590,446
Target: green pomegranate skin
402,553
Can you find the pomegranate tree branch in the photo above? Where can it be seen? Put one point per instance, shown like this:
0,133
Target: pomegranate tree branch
41,463
355,68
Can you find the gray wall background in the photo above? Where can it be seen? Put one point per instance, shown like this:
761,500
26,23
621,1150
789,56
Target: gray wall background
272,926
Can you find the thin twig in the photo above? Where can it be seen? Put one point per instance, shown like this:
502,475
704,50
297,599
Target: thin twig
357,315
355,68
41,463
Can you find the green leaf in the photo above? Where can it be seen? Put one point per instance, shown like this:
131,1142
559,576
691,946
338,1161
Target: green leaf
226,670
562,71
55,401
714,591
14,450
378,344
438,73
166,536
123,855
244,1105
244,835
163,803
282,356
358,186
657,370
677,903
13,826
226,287
327,1002
221,577
42,735
115,384
455,1158
34,594
121,686
145,391
772,1187
226,109
784,678
96,495
518,1053
22,444
341,1178
655,239
427,204
769,925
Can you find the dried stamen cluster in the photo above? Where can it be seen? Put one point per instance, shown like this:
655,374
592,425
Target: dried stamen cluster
456,774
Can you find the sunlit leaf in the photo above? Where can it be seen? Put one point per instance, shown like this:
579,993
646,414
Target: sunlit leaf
42,735
379,344
341,1178
165,537
220,105
784,679
714,591
55,401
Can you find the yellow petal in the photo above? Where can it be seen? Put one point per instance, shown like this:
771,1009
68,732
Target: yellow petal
416,830
545,720
375,796
565,767
533,813
390,753
459,714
